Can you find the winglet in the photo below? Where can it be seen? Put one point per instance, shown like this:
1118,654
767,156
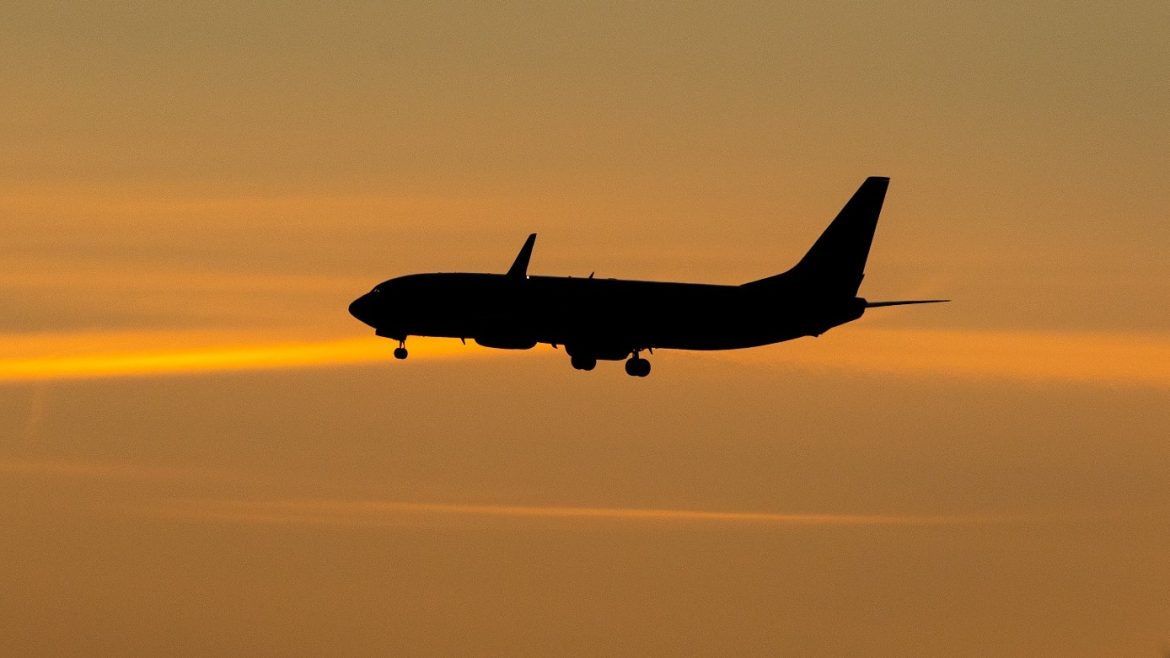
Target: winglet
519,269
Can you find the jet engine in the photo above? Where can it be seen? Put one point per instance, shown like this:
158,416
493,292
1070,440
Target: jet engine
506,342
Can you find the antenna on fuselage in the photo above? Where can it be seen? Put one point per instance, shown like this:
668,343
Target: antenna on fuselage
519,269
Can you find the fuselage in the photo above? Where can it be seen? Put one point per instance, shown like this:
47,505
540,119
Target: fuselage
605,318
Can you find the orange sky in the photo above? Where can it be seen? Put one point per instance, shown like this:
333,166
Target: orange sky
207,455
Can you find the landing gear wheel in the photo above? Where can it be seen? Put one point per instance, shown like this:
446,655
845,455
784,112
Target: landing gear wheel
400,353
581,362
637,367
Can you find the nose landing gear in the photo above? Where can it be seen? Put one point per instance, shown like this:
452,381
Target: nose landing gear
400,352
636,366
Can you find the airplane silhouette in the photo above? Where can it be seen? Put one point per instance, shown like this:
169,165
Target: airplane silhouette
612,319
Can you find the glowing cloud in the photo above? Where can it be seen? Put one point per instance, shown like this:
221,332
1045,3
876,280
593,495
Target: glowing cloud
362,513
1029,356
137,354
1139,359
348,512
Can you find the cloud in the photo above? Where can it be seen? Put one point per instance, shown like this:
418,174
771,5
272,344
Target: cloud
1098,358
349,512
112,471
1086,357
373,513
36,357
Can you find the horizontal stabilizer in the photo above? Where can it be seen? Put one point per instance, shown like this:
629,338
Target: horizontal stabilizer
903,302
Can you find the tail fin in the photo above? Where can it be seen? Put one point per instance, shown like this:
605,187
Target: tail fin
836,262
837,258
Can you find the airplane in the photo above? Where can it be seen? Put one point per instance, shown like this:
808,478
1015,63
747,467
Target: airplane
614,320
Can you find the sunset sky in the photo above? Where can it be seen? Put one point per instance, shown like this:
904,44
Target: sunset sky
205,454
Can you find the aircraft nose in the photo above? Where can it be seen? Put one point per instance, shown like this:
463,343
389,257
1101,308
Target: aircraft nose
362,309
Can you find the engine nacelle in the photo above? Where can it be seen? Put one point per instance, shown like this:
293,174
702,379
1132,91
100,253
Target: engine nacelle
506,342
603,352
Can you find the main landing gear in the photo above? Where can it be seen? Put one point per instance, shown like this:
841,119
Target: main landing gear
400,352
583,362
636,366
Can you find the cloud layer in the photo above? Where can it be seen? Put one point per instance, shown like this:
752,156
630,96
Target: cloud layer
1134,359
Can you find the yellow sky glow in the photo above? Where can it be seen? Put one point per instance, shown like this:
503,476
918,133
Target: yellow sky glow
1028,356
137,354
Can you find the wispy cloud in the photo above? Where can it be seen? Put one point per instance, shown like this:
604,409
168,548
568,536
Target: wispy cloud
1134,359
1111,358
366,513
139,354
112,471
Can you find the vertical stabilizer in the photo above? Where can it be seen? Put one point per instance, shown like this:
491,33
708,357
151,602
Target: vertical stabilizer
837,258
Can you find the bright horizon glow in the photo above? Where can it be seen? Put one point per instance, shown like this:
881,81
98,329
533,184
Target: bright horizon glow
1029,356
142,354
